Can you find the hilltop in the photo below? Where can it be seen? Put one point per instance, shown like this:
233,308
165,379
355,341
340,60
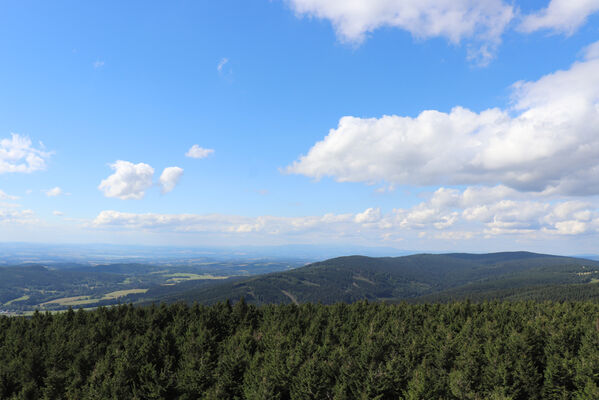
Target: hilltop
420,277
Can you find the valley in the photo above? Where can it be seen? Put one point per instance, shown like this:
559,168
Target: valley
415,278
56,287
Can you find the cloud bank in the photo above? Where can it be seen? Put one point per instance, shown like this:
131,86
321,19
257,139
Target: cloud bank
448,214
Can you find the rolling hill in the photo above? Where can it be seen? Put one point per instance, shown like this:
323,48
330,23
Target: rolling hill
421,277
27,287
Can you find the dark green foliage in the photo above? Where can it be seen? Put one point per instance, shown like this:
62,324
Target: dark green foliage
420,277
454,351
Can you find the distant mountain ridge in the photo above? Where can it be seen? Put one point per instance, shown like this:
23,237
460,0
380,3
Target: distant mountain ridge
412,278
434,277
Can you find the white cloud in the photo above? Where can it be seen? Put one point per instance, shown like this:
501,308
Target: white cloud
129,181
98,64
448,214
17,154
56,191
233,224
561,15
169,178
497,211
221,64
548,141
592,51
480,20
5,196
368,216
58,213
454,235
198,152
453,19
571,227
12,214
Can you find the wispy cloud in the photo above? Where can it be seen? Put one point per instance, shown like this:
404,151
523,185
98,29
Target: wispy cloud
224,69
565,16
221,65
13,214
5,196
55,191
98,64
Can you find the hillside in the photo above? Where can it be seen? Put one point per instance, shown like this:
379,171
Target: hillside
415,278
27,287
436,277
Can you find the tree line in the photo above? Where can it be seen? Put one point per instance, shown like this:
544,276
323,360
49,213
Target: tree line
460,350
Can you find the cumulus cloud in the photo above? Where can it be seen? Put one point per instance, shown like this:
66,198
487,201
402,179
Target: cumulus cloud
368,216
560,15
169,178
17,154
129,181
198,152
481,20
56,191
497,211
547,141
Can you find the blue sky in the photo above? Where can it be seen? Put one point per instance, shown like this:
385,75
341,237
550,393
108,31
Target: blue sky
459,125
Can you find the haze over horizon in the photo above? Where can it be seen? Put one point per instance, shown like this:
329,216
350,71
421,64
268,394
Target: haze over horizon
463,126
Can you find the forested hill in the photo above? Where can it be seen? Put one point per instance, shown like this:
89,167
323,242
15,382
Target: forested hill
422,276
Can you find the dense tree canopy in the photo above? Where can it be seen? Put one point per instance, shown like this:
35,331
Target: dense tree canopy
493,350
